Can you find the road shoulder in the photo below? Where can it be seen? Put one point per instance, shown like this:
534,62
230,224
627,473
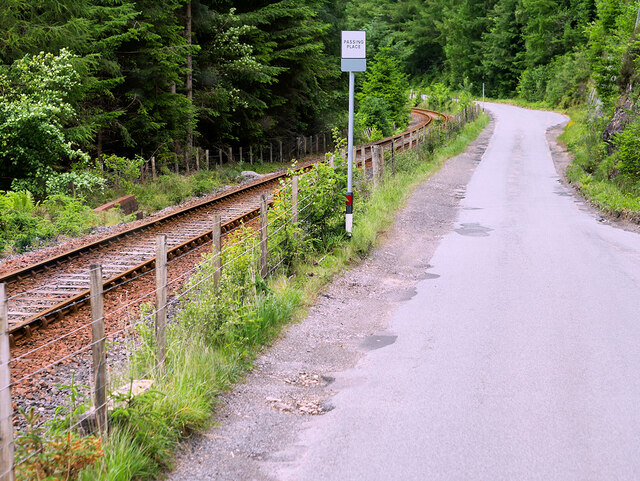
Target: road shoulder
562,158
292,381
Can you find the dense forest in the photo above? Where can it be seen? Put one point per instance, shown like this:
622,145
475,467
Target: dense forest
85,84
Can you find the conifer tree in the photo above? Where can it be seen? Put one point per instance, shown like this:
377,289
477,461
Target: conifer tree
502,49
384,79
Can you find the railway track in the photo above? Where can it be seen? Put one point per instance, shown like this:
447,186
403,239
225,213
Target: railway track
46,292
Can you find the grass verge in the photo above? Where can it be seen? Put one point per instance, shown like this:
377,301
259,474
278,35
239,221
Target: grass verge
146,432
593,171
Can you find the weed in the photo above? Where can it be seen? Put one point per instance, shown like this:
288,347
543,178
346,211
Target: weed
53,450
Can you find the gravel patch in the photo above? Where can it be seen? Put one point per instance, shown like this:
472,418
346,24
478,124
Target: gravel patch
259,420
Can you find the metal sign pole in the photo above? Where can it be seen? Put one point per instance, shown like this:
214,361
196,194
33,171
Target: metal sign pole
354,59
349,214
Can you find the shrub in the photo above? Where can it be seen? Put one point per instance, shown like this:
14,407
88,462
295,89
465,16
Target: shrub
628,153
374,112
533,83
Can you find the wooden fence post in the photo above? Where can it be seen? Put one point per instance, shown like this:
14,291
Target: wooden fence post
220,155
230,155
99,354
161,300
206,156
153,167
263,237
270,152
281,157
294,199
376,164
6,408
251,154
393,157
216,249
241,154
305,145
324,142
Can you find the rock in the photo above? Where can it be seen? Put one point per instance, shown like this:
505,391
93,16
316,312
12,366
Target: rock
130,390
250,175
621,117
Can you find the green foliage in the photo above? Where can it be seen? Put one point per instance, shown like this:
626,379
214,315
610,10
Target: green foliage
374,113
438,97
124,459
628,150
232,296
323,190
533,83
567,83
69,215
74,183
51,450
384,79
120,172
463,25
609,43
33,113
503,49
24,222
598,174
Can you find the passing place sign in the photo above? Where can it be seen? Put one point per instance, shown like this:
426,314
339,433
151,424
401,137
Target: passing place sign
354,44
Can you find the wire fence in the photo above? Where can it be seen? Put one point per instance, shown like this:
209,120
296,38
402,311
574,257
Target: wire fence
98,352
269,150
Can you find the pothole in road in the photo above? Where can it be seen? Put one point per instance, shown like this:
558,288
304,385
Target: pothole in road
473,230
306,379
372,343
301,406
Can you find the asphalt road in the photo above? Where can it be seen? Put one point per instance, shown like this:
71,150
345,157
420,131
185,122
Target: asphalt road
519,359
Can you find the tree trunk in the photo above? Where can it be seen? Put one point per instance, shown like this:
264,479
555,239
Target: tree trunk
189,85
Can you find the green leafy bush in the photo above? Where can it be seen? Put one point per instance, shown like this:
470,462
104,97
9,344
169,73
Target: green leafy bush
74,183
567,80
533,83
33,114
384,79
374,112
628,150
24,222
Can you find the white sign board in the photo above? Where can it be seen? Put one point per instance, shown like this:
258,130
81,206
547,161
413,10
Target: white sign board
354,44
